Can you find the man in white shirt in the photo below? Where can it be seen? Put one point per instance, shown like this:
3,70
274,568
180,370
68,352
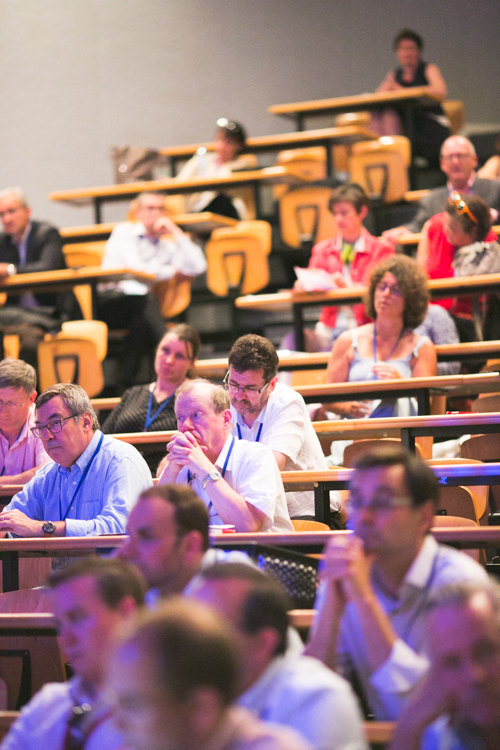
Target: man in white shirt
370,621
273,414
21,453
173,678
238,481
277,682
457,705
90,600
154,245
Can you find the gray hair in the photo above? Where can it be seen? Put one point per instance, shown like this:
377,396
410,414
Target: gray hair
74,397
462,138
16,192
460,594
219,397
146,194
15,373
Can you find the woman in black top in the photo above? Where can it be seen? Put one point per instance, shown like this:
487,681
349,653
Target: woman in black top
150,408
431,124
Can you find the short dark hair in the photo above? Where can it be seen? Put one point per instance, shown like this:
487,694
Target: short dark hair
267,603
190,646
480,210
233,131
114,578
74,397
15,373
252,352
190,513
408,34
350,193
421,482
412,281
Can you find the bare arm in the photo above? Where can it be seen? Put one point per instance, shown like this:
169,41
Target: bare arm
437,84
21,478
280,460
425,364
19,523
491,170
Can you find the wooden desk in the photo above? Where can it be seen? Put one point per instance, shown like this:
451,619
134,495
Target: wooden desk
326,137
321,482
299,111
12,549
67,278
125,192
296,361
473,286
202,223
420,388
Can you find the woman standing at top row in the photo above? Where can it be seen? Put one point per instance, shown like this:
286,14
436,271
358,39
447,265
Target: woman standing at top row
432,127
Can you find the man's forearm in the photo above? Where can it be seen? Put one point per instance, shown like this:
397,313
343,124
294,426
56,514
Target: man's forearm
21,478
377,629
233,508
323,641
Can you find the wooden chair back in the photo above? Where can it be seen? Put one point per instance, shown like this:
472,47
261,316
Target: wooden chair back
29,656
305,217
7,718
84,254
383,174
70,360
300,525
359,447
174,295
478,555
455,112
91,330
484,448
398,143
479,494
306,163
237,258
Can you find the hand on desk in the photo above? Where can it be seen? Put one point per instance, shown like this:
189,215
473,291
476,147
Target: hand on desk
385,371
354,409
18,522
4,270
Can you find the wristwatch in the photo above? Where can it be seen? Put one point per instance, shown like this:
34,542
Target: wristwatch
212,476
48,527
11,270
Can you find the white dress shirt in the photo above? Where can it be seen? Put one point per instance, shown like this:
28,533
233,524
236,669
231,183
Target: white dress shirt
287,428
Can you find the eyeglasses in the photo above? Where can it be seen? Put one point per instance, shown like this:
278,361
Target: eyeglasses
54,426
394,290
10,405
458,157
461,206
235,387
379,503
153,208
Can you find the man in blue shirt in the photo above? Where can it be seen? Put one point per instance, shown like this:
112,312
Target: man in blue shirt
93,482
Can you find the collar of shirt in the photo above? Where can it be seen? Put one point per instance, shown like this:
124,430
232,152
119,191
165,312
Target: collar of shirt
85,457
470,184
420,570
22,247
259,420
359,245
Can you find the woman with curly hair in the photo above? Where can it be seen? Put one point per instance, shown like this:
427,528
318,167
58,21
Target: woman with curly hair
397,300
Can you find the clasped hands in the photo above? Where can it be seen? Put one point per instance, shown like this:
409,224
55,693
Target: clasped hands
184,450
348,567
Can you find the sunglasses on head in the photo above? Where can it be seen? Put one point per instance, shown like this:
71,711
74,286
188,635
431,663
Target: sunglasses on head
461,206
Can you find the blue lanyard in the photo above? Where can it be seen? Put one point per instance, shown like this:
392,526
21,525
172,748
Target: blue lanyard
150,419
86,471
223,472
258,432
3,470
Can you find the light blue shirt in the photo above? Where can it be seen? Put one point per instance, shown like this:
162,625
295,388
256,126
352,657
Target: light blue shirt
116,478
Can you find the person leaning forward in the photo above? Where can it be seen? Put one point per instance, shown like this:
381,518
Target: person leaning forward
93,482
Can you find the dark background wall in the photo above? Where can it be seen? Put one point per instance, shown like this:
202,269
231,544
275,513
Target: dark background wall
79,76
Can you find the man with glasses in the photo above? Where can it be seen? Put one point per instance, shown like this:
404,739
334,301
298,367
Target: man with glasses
265,411
458,162
90,599
238,481
21,454
93,481
377,582
154,245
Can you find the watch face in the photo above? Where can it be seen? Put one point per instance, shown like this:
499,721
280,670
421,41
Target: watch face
49,527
